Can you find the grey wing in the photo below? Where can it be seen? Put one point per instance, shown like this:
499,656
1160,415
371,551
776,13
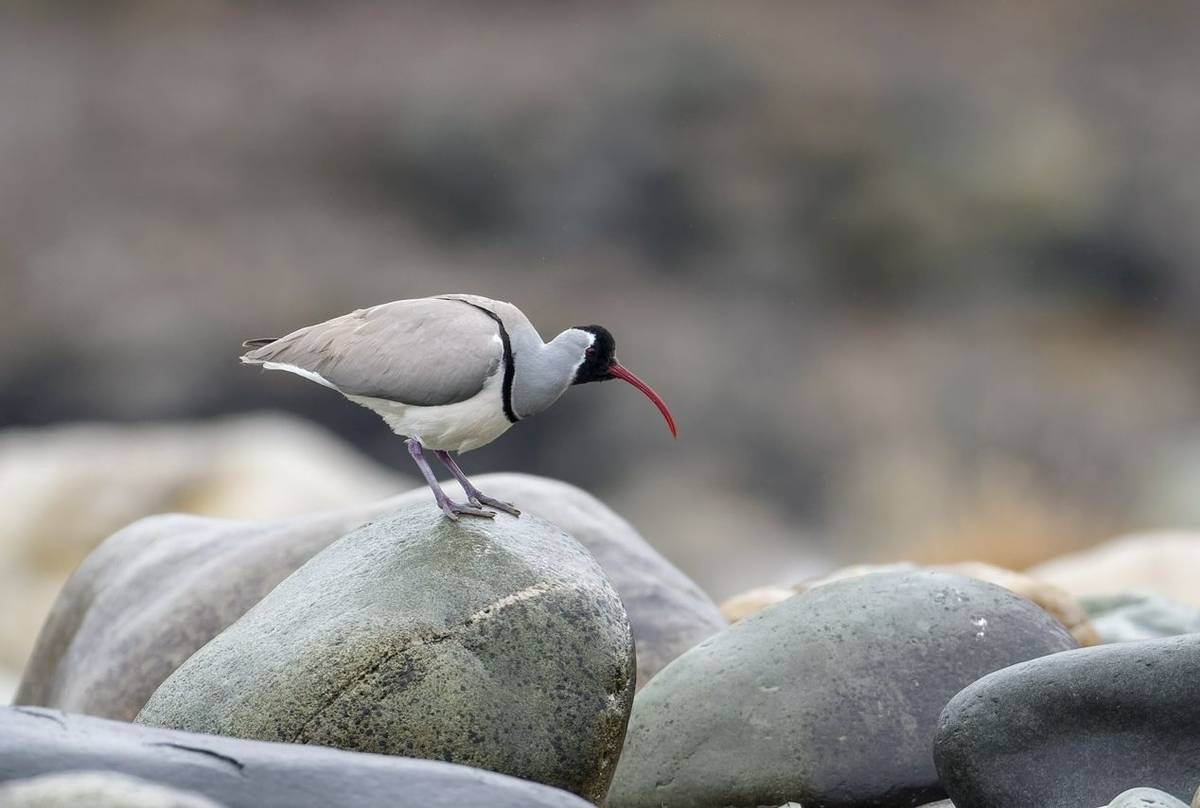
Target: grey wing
426,352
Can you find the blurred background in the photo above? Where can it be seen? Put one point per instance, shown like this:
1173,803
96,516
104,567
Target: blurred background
918,280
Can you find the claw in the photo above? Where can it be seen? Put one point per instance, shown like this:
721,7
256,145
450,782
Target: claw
483,499
453,509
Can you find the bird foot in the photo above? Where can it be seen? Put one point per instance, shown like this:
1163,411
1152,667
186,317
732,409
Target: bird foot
479,500
453,509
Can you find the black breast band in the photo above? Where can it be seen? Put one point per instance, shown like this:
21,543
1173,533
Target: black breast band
509,366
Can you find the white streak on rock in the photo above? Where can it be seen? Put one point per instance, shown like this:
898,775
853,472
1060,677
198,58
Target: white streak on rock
529,593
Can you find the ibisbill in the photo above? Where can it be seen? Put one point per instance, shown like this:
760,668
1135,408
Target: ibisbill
450,373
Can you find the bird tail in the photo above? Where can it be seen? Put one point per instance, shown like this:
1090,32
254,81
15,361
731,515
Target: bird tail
254,345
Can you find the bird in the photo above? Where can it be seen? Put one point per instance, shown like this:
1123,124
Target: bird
448,373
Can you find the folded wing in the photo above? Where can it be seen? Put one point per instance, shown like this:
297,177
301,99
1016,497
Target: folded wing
425,352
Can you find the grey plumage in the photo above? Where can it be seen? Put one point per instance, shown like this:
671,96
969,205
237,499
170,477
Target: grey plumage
423,352
543,370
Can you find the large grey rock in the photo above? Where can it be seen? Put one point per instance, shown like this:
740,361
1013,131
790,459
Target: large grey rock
828,698
1132,616
1076,728
1059,603
96,789
157,591
251,774
499,644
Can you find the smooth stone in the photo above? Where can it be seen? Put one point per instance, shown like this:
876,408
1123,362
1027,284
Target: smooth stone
96,789
1075,728
253,774
157,591
1163,562
1065,607
1145,798
1058,602
1133,616
495,643
828,698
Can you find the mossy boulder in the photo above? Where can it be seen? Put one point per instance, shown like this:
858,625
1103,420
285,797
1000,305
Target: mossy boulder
497,644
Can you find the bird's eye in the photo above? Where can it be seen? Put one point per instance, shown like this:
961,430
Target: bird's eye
590,352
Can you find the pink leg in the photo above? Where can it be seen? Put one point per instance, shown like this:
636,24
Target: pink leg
451,509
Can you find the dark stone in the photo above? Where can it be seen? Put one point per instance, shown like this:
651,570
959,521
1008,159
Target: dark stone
253,774
1076,728
155,592
495,643
828,699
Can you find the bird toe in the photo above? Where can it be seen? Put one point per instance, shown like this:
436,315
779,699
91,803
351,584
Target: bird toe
468,510
481,500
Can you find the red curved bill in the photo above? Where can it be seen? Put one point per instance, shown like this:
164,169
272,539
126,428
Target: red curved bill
616,370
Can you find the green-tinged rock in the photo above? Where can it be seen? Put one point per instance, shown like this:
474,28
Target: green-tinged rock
498,644
829,698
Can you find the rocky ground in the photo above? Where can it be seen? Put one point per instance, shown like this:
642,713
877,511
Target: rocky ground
378,654
918,282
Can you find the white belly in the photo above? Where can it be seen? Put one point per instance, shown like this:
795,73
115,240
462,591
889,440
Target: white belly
458,427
